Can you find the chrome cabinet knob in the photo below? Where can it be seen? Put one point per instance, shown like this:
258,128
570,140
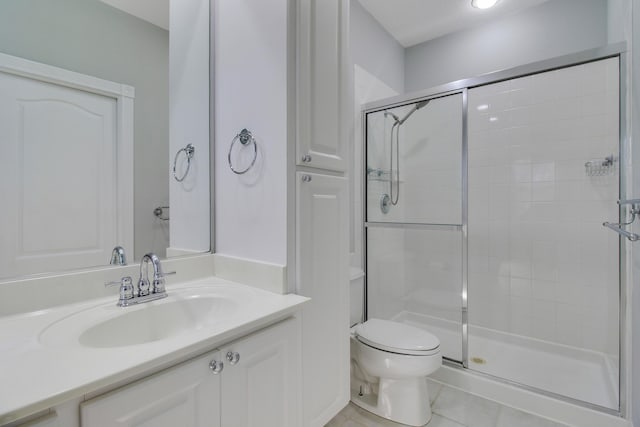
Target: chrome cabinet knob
306,178
233,357
216,366
306,158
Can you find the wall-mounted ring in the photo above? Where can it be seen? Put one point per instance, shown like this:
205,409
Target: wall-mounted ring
245,138
189,151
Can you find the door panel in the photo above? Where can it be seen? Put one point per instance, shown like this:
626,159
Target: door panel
58,168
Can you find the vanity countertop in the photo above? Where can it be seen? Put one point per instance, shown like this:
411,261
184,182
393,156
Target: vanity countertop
39,372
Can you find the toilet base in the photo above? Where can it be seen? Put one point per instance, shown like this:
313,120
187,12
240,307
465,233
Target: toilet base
402,401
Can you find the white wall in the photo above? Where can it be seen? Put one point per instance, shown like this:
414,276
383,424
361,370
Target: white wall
189,123
374,49
92,38
551,29
251,92
378,72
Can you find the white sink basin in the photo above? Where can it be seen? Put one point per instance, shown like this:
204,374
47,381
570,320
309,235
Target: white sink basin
106,325
155,322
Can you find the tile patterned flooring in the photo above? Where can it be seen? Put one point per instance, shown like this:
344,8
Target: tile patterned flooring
451,408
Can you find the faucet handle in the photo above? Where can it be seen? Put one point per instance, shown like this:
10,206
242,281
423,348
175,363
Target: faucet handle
158,282
126,287
143,287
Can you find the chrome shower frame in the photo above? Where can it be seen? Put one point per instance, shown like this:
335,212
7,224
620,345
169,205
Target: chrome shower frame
617,50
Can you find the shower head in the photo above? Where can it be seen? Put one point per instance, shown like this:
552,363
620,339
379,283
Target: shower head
416,107
421,104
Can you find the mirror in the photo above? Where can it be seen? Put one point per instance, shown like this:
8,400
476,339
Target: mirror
73,189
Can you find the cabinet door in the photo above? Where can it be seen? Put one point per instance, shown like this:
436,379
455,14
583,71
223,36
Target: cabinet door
187,395
322,71
322,274
261,380
49,420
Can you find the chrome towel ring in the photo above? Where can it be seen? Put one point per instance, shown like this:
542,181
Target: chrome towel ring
245,138
189,151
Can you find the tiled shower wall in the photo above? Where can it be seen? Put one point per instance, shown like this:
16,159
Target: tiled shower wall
540,262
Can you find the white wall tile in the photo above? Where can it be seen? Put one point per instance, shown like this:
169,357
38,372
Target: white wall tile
544,290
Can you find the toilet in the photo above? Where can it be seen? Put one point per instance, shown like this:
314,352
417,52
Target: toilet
390,362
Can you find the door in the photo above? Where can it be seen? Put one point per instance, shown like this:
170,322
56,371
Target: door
544,173
414,217
59,148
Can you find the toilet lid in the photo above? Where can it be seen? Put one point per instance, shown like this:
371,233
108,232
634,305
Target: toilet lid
397,337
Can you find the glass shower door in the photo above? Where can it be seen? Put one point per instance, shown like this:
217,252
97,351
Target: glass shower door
414,217
543,272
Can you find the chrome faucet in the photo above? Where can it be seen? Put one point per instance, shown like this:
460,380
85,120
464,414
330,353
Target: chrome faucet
158,276
146,291
118,256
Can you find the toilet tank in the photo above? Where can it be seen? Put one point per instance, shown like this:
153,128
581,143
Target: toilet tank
356,295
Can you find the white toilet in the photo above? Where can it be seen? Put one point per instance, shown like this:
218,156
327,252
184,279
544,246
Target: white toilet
389,365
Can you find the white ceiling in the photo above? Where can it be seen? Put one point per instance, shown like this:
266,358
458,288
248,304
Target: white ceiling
154,11
416,21
408,21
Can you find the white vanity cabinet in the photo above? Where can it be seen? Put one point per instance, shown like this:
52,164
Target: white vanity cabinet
322,84
322,274
251,382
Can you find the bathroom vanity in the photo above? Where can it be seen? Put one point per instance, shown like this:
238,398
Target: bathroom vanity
250,381
212,353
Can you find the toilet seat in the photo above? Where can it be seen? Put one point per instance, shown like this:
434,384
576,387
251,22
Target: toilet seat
397,337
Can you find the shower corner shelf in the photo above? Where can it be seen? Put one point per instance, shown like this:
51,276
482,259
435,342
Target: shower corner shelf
382,175
601,167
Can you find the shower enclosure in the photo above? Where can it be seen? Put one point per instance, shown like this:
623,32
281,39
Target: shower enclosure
483,223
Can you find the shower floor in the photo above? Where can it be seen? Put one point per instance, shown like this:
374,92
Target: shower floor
569,371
